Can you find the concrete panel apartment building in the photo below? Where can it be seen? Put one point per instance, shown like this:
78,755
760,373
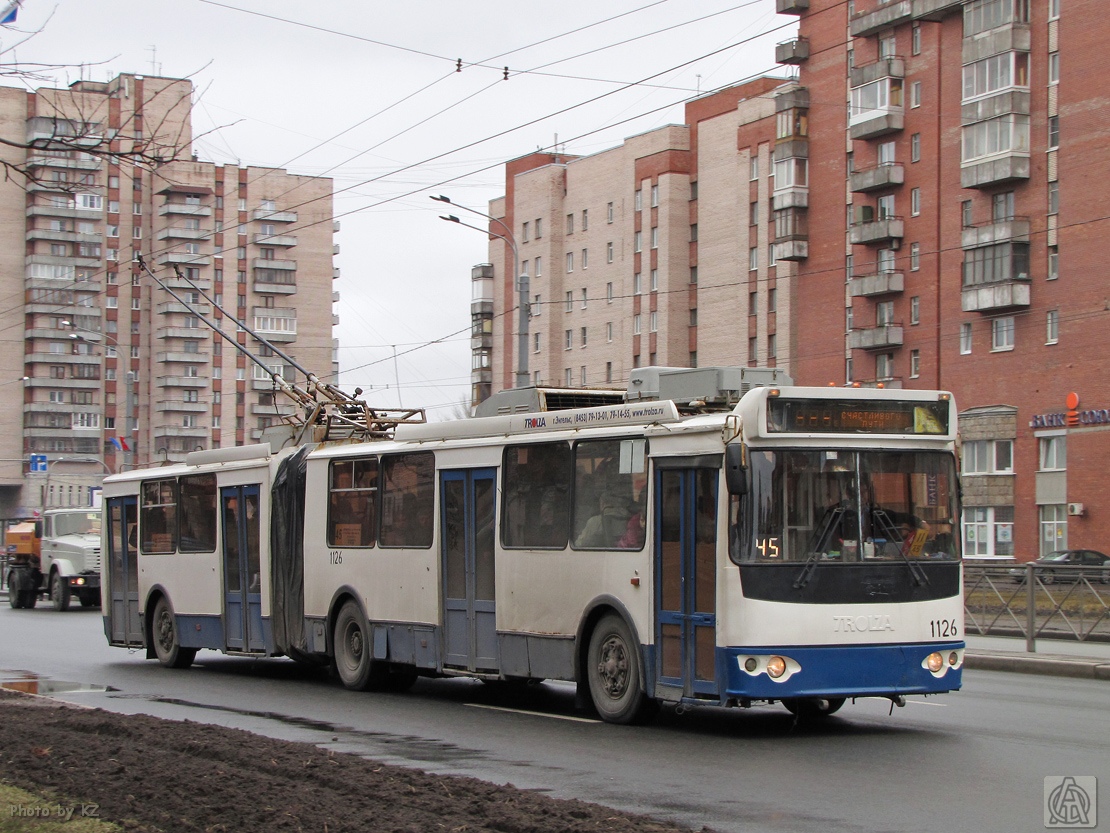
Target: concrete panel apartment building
921,207
82,321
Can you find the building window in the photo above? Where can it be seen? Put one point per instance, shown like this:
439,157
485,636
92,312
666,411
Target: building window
915,48
585,219
570,224
1053,67
609,292
753,259
915,201
653,322
693,274
1052,334
568,339
539,267
915,363
570,302
753,303
988,531
915,147
536,342
965,213
1053,263
1054,197
1005,134
609,332
583,335
654,196
965,338
1053,9
753,349
884,366
875,99
915,256
693,232
1053,132
772,346
608,371
570,261
654,280
1054,528
753,213
638,242
791,173
636,325
999,263
987,457
639,200
585,259
888,47
915,310
996,73
539,227
694,317
915,94
753,167
654,237
884,313
772,299
1053,453
568,376
1002,333
609,212
983,15
637,284
609,252
1002,207
537,306
584,297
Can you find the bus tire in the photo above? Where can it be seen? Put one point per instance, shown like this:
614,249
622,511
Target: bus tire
351,645
811,708
613,673
163,632
59,592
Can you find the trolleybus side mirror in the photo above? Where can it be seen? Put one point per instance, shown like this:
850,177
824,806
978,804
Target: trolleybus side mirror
736,469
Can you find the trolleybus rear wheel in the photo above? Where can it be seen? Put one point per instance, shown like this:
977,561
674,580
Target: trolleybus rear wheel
613,671
351,641
163,632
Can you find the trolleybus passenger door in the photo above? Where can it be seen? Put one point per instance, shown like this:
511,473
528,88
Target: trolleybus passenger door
469,609
242,571
123,572
685,570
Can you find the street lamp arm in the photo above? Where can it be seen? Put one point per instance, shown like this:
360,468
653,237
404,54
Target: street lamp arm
447,200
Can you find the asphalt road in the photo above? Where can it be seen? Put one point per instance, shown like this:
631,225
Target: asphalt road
975,760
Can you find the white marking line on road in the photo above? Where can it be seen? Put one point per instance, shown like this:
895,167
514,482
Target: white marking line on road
534,714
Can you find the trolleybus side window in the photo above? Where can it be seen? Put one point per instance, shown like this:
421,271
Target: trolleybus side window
408,500
536,484
158,516
610,494
352,502
198,513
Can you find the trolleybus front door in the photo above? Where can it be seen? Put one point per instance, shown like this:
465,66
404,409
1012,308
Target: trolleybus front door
469,609
685,570
242,573
125,625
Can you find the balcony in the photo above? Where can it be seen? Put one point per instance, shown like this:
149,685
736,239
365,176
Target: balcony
184,259
275,411
876,338
1009,37
1013,230
168,307
794,51
275,287
793,250
183,332
997,296
181,356
791,6
187,209
274,216
879,283
263,263
996,170
886,175
936,9
175,233
883,17
1012,100
83,162
274,240
181,381
200,431
882,230
181,405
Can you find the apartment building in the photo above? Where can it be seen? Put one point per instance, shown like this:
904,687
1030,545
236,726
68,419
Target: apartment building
955,214
657,252
108,369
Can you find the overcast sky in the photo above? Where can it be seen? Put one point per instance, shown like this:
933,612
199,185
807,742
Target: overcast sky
367,93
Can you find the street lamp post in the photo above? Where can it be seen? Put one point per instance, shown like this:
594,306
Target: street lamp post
521,280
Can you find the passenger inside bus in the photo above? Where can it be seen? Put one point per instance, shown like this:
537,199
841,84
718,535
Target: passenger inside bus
606,528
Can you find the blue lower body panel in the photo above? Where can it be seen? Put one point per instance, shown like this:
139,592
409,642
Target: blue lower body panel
840,671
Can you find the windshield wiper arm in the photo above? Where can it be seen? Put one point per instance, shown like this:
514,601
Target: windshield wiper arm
881,519
820,535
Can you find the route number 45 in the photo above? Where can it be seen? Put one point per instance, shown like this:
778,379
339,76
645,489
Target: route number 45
768,547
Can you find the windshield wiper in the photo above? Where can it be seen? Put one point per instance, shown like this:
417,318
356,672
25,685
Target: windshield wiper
817,544
881,519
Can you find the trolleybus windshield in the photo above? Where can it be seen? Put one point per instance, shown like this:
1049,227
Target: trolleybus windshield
839,506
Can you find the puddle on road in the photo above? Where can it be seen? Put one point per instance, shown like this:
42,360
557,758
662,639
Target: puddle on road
29,682
405,746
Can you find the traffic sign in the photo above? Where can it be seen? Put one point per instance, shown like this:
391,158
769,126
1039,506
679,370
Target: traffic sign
38,463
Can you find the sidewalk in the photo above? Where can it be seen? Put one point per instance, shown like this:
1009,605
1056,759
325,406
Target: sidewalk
1057,657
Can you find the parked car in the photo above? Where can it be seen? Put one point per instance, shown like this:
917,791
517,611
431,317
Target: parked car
1089,564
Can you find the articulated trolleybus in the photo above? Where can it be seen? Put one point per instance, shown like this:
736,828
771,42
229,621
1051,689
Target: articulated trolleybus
796,545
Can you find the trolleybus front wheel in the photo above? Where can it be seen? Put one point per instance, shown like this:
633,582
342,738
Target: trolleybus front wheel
163,632
613,671
813,707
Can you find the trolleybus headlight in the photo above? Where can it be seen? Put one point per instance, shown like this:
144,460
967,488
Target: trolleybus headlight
750,664
953,658
776,667
934,662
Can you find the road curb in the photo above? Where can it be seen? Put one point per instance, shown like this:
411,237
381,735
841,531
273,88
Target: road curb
1054,666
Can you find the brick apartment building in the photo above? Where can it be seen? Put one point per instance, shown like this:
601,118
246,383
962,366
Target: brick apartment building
921,208
81,320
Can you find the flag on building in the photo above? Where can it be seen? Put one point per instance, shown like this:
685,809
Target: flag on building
8,11
120,443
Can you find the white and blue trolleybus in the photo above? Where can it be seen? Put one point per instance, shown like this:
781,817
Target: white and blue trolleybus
790,544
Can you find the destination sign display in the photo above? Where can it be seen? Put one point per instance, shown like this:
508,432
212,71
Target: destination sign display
838,416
